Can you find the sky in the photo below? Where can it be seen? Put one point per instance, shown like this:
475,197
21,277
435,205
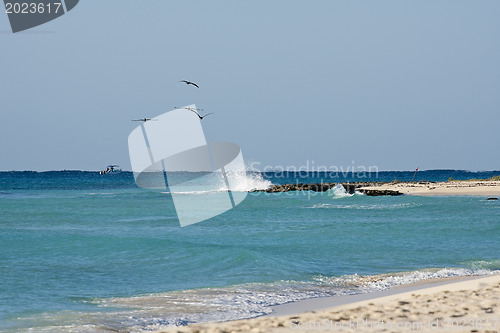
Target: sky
392,84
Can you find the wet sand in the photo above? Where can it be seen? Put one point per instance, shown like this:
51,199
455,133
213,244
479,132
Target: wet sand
457,305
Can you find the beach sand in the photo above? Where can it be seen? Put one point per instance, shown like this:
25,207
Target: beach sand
467,304
459,305
480,188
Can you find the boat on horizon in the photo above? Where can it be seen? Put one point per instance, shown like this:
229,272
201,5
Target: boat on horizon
112,168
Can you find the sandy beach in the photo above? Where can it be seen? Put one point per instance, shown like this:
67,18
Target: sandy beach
479,188
464,305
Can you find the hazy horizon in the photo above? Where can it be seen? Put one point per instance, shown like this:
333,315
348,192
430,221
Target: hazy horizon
340,170
392,84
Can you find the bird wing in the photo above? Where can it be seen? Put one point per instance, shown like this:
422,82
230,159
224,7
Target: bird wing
143,119
189,82
194,111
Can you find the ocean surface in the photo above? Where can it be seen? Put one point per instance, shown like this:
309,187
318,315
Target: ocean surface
83,252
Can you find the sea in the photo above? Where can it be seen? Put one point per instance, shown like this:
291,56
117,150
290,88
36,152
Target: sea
84,252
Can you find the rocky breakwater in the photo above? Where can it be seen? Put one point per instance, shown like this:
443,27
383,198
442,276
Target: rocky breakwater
377,192
350,188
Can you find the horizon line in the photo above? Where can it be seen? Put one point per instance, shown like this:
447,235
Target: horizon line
261,171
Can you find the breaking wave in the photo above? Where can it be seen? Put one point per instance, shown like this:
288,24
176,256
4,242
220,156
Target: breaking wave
144,313
215,183
247,181
338,191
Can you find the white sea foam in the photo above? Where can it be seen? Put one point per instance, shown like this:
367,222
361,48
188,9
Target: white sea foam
247,181
144,218
144,313
412,277
238,182
366,206
372,283
94,193
483,264
338,191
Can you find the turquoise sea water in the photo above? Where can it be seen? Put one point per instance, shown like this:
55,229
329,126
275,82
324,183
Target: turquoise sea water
80,252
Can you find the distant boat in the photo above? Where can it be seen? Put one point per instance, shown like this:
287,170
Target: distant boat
110,169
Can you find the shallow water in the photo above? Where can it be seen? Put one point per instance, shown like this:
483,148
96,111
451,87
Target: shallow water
85,253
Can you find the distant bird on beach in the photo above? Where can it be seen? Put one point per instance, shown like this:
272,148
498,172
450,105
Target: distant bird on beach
190,83
144,119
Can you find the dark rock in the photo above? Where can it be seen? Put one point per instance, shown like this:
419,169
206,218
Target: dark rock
376,193
350,188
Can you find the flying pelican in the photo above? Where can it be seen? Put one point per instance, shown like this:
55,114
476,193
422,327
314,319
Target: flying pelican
199,116
195,111
188,108
144,119
189,82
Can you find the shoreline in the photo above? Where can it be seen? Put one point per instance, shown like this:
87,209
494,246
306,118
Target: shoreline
489,188
322,303
472,303
451,188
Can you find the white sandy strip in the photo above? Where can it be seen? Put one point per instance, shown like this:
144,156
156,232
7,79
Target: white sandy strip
471,305
480,188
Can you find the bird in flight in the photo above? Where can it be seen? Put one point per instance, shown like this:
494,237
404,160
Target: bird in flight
188,108
195,111
190,83
200,116
144,119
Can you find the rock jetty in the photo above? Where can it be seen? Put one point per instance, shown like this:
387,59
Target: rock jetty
350,188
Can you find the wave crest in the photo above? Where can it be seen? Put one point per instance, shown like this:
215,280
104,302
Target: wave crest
247,181
338,191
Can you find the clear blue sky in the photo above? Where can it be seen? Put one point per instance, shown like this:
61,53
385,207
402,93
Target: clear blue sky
394,84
